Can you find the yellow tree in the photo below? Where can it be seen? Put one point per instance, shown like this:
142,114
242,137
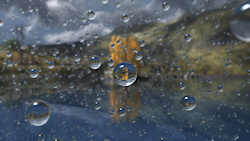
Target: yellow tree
122,50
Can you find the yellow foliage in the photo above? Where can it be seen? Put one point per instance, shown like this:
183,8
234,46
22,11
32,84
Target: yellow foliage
119,99
124,51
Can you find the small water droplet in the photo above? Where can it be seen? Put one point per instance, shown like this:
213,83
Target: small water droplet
182,86
188,37
110,62
125,18
165,6
77,58
40,137
97,105
1,23
8,53
64,23
138,55
121,112
94,62
220,88
91,15
33,73
104,1
51,64
141,43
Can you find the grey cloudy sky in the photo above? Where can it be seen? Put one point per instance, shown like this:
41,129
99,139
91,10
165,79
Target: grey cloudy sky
43,19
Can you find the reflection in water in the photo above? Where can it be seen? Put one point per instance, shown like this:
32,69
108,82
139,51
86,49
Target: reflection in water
127,98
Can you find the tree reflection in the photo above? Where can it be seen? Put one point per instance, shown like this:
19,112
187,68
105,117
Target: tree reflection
127,98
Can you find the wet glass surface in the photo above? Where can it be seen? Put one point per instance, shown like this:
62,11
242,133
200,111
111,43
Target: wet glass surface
103,70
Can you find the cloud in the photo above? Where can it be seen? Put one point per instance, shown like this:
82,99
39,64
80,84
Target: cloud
69,36
44,18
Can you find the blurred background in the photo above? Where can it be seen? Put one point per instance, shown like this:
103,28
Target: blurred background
59,80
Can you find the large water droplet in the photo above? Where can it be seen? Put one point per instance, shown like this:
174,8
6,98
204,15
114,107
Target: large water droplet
125,74
33,73
38,112
188,103
241,21
94,62
91,15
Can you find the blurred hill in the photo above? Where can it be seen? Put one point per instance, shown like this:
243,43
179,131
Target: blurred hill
212,50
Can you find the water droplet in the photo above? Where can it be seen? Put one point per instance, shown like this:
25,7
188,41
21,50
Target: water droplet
51,65
56,139
104,1
98,97
38,112
138,55
94,62
118,4
55,86
33,73
97,105
121,112
84,20
9,54
165,6
112,45
125,74
91,15
81,39
77,58
141,43
10,64
64,23
241,21
125,18
163,139
40,137
220,88
182,86
187,37
110,62
1,23
188,103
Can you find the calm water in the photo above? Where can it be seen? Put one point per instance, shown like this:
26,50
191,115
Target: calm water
153,110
